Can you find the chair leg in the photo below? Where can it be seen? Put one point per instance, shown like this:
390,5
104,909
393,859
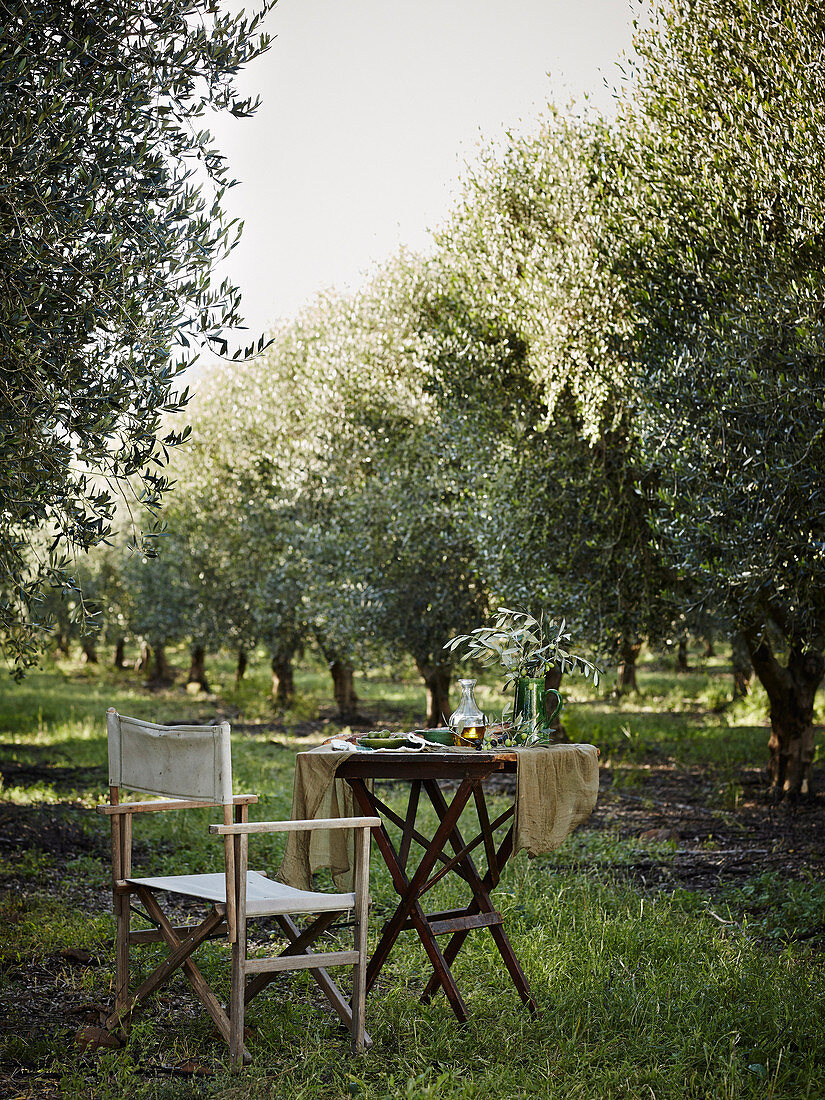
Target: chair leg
341,1005
238,874
121,867
122,926
359,994
237,1052
359,974
181,957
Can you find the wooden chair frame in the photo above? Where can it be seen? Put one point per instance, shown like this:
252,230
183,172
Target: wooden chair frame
229,918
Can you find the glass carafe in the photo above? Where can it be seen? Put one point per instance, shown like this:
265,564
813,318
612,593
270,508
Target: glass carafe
468,722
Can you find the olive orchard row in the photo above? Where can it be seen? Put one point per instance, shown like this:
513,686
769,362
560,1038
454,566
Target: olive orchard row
600,394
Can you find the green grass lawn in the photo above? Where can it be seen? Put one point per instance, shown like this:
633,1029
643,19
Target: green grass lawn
645,988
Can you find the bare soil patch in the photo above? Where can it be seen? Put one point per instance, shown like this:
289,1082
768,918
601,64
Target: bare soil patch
715,845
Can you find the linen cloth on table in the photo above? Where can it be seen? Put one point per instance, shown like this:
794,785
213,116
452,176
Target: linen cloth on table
556,790
317,793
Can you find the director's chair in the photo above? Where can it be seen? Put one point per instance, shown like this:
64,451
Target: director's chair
190,767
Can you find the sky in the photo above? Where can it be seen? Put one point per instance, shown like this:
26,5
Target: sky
370,111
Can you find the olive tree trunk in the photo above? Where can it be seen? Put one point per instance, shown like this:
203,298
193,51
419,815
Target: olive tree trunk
160,671
790,690
343,680
197,668
741,667
119,660
283,680
343,686
240,667
89,651
626,682
437,678
682,656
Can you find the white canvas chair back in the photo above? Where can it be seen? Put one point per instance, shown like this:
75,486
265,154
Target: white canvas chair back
191,762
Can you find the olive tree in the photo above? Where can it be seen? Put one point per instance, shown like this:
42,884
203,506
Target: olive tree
717,225
111,218
158,609
335,461
407,488
524,324
260,484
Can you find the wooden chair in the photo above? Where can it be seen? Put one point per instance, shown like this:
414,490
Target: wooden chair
190,767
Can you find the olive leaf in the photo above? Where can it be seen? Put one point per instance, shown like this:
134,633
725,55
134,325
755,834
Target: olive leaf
523,645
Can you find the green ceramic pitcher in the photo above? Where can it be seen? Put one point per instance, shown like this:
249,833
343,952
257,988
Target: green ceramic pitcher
530,703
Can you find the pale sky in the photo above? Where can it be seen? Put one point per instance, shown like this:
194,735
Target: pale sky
371,108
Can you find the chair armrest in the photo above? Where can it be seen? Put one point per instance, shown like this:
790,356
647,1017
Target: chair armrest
154,805
297,826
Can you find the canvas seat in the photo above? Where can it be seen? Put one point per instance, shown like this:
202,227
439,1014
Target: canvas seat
190,767
264,898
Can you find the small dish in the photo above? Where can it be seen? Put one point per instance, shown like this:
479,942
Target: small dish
441,736
383,742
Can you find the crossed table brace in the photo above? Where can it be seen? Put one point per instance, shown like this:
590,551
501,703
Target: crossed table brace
423,771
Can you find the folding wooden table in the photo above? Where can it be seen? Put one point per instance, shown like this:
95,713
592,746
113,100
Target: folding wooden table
423,771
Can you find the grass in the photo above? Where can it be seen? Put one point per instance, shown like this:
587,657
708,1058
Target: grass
642,991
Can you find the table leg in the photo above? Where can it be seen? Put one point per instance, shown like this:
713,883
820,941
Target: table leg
490,880
489,839
409,824
408,890
481,895
382,810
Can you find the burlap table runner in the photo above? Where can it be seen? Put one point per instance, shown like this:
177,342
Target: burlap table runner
317,793
556,789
